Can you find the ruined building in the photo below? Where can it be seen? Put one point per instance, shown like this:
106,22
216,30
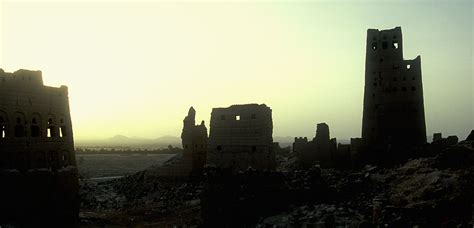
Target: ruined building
241,137
321,150
38,173
393,95
193,159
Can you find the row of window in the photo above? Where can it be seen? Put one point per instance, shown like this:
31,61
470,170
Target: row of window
395,89
394,45
20,129
394,79
238,117
384,37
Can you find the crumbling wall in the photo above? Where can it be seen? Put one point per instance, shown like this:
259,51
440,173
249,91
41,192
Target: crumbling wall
195,142
37,162
241,137
321,150
393,93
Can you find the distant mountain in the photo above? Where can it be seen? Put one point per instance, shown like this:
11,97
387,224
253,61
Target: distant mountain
122,140
168,138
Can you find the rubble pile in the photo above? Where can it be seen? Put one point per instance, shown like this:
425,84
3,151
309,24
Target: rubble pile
424,192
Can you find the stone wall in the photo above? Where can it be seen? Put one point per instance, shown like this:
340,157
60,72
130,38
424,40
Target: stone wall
393,95
241,136
37,162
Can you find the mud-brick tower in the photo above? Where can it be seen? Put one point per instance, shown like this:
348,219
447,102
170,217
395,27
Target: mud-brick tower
393,94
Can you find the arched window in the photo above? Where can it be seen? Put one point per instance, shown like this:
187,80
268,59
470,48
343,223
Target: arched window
51,129
62,129
3,127
35,127
19,130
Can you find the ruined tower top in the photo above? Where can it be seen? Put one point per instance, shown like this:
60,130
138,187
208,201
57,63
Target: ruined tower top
322,132
386,44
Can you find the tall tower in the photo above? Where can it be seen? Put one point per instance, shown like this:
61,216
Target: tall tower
393,93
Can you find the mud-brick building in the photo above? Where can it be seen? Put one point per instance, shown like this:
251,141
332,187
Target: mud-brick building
393,94
38,173
241,136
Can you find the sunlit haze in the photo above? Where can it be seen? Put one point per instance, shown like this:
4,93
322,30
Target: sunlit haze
136,68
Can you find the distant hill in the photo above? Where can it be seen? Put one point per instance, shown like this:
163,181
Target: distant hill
125,141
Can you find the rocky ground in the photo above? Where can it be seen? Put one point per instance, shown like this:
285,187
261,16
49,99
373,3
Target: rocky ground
434,191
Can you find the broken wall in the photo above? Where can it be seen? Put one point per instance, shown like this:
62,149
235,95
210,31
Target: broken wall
241,136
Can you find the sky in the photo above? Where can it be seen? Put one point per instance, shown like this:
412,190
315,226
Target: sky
135,68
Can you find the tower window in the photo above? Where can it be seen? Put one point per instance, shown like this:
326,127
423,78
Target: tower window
374,46
237,117
395,44
62,131
404,88
219,148
408,66
3,130
413,88
51,133
394,89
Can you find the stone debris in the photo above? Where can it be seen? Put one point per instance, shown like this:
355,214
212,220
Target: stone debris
423,192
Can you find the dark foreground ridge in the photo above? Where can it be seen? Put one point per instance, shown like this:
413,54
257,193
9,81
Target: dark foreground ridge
433,191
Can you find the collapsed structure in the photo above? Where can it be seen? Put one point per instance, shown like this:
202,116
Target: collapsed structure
393,93
241,136
38,172
319,150
195,143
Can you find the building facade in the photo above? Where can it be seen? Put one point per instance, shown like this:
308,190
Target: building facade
393,93
37,159
241,136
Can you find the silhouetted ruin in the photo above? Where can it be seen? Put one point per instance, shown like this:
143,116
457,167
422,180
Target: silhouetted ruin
393,95
193,159
241,137
37,162
244,179
320,150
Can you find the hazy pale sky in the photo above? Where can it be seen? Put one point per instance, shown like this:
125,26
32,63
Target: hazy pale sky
136,68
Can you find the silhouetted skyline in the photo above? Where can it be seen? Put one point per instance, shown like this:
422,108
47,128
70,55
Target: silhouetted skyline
132,67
